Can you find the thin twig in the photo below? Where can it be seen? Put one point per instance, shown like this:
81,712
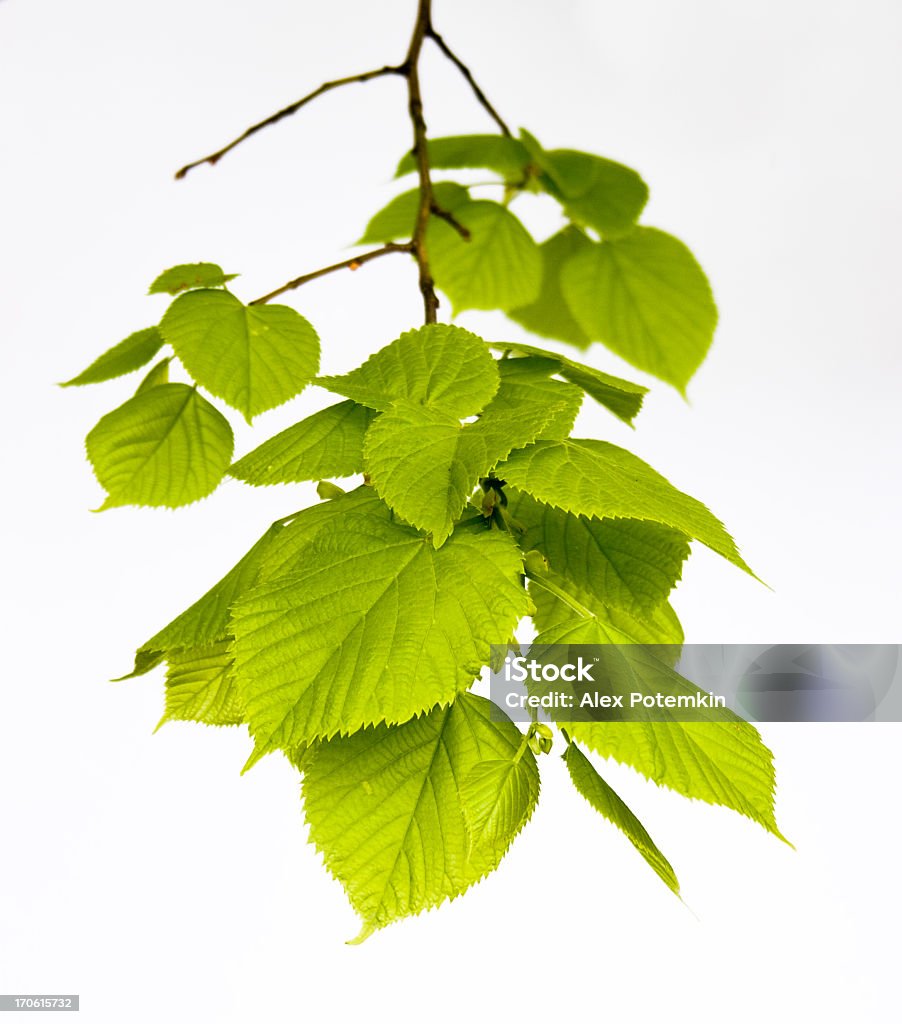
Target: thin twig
421,158
448,217
366,76
468,75
351,264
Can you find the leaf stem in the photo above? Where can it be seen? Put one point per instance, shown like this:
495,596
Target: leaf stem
559,593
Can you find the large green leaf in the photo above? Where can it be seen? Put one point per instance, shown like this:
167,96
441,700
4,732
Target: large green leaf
190,275
373,624
600,795
136,351
385,809
549,315
398,218
200,687
631,564
595,478
253,357
645,297
439,365
720,761
166,446
622,397
506,156
328,443
498,267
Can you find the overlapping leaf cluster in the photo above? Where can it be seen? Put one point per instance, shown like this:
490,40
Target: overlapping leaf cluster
349,636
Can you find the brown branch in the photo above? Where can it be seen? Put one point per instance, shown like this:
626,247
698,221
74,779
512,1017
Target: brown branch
366,76
351,264
448,217
465,71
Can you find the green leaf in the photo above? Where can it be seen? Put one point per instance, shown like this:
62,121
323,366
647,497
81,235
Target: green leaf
595,478
722,761
500,153
328,443
136,351
498,798
167,446
200,687
622,397
385,808
374,624
425,464
158,374
593,191
190,275
398,218
647,299
530,403
600,795
439,365
253,357
549,315
498,267
630,564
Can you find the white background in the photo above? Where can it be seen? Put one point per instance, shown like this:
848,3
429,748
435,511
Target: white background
142,872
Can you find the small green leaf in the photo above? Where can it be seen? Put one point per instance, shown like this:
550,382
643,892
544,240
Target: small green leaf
506,156
622,397
498,267
200,687
498,797
631,564
647,299
425,464
167,446
190,275
372,625
549,315
386,812
328,443
158,374
136,351
595,478
398,218
253,357
600,795
438,365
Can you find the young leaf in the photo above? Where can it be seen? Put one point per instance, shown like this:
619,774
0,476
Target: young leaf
600,795
398,218
647,299
189,275
549,315
498,267
167,446
595,478
385,808
158,374
438,365
373,625
253,357
622,397
498,797
136,351
328,443
500,153
721,761
425,464
200,687
630,564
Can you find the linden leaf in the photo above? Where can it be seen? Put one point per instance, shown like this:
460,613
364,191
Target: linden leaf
136,351
189,275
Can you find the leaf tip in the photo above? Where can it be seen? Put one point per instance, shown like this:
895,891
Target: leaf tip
365,932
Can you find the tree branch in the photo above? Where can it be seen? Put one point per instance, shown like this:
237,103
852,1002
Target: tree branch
465,71
366,76
351,264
